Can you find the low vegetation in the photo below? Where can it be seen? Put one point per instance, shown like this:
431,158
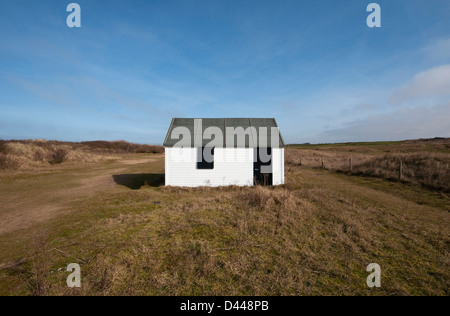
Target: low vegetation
313,236
424,162
35,154
121,147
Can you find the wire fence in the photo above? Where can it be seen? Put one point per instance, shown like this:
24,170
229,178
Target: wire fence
427,169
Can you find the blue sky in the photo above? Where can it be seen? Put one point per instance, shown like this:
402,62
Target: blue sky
313,65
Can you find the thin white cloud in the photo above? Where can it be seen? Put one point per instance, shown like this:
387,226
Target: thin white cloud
430,83
439,49
419,122
360,108
51,93
365,107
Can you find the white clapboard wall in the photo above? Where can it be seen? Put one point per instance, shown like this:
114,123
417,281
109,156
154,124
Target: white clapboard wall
232,166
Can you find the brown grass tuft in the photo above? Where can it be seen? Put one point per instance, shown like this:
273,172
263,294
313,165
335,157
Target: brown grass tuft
36,276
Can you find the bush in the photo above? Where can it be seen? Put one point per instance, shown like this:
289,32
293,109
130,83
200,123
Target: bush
3,161
58,156
39,155
2,147
6,163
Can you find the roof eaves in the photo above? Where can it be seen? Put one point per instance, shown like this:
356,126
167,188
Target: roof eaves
251,131
279,132
168,132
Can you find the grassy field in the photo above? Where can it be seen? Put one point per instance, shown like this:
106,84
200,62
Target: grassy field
422,162
132,236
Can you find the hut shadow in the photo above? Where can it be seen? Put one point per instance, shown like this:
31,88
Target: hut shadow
137,181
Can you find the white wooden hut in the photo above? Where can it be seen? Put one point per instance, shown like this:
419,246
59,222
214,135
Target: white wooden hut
222,152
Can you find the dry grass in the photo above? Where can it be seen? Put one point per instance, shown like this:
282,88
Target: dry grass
314,236
427,168
8,162
35,154
122,147
36,278
408,146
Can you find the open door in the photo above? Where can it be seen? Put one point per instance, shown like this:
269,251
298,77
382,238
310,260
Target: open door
262,166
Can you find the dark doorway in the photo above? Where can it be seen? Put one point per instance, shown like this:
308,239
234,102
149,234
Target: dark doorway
262,166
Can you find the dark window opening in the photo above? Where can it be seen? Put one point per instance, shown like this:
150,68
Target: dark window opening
207,158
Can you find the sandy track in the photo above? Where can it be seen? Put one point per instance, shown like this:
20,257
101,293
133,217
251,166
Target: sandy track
25,202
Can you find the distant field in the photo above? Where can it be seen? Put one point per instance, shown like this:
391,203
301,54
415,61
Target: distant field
423,162
314,236
406,146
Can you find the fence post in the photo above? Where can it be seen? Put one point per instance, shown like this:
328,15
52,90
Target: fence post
323,163
301,160
400,172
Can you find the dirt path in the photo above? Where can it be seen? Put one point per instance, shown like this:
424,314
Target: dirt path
37,198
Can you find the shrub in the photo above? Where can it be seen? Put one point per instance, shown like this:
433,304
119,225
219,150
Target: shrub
3,161
58,156
7,163
39,155
2,147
